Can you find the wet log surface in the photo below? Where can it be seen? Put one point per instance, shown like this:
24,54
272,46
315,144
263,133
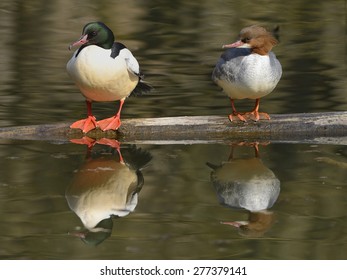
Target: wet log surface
326,128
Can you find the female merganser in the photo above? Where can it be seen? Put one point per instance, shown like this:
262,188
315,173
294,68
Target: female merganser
247,183
248,69
103,70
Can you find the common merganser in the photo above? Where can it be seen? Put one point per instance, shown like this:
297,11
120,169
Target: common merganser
103,70
248,69
106,186
247,183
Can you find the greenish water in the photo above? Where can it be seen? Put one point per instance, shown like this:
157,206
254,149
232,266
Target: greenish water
180,213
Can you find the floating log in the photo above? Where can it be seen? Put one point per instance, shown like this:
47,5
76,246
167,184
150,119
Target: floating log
329,127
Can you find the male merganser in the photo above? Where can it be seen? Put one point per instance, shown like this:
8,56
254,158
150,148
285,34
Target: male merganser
103,70
106,187
248,69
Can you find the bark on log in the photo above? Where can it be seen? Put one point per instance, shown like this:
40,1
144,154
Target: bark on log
325,128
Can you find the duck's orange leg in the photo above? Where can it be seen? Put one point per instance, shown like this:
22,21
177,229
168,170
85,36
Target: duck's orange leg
87,124
114,122
235,115
255,114
112,143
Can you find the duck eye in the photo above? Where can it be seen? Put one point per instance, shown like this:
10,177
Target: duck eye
93,33
245,40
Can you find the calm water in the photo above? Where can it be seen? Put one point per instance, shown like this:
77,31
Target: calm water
174,204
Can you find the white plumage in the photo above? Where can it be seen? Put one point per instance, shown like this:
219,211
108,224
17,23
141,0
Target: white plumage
103,70
248,69
101,77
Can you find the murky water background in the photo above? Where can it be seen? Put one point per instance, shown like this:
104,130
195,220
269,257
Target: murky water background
179,211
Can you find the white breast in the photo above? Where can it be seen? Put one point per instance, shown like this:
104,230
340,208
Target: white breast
112,196
246,183
251,76
101,77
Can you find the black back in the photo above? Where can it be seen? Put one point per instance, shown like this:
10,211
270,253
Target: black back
116,48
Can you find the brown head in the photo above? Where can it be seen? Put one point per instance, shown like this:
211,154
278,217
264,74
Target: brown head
255,37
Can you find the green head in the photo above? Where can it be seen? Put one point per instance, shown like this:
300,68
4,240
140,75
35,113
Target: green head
95,33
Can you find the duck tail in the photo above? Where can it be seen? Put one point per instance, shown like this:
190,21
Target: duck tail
136,158
212,166
141,88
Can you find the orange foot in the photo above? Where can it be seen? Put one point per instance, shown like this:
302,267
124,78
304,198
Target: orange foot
109,142
85,125
112,143
256,116
85,140
235,116
112,123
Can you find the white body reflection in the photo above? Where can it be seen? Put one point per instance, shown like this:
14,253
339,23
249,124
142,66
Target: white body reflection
247,183
105,187
102,188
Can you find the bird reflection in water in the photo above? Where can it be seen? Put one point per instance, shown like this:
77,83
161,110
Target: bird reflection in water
246,183
105,187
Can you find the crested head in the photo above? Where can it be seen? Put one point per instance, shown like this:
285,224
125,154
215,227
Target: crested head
258,38
95,33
